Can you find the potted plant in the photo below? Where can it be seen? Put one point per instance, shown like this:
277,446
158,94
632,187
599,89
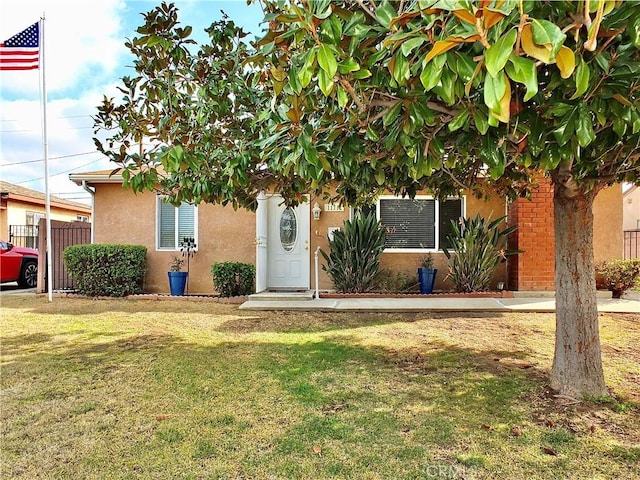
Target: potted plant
427,274
177,278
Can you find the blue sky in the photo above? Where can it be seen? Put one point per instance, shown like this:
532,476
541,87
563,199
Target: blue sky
85,58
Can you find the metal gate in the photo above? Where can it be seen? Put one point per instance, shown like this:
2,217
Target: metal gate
631,244
24,235
63,235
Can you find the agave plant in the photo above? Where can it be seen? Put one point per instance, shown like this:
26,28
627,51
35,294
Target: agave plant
477,248
354,257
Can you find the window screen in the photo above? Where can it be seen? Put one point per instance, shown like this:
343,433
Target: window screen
175,223
412,224
409,223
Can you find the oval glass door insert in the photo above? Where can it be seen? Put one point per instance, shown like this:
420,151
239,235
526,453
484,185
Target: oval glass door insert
288,229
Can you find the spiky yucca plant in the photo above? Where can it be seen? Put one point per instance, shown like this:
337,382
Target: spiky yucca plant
477,247
354,257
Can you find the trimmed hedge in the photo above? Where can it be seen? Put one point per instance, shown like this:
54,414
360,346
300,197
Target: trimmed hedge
618,275
106,269
231,279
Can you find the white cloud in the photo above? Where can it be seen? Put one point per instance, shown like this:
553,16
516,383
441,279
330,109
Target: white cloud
82,40
85,59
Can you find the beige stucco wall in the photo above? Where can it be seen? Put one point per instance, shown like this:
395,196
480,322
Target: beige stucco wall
607,224
395,262
223,235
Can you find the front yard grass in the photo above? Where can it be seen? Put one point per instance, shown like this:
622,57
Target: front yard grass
178,389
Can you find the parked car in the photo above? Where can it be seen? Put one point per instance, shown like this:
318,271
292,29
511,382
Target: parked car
18,264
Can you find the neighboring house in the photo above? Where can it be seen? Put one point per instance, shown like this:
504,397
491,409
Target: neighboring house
631,221
22,208
281,241
631,208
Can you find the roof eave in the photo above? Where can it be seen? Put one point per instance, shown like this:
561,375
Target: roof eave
79,178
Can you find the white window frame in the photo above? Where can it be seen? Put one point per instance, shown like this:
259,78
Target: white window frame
176,248
462,198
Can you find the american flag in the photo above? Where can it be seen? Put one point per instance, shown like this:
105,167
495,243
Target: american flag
20,52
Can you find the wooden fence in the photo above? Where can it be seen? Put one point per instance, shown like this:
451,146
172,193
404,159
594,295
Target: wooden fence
63,235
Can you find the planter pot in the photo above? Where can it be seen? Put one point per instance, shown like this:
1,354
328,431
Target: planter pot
427,277
177,282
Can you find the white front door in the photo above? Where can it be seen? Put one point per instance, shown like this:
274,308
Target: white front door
288,246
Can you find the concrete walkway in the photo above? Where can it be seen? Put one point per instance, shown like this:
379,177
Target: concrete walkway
523,302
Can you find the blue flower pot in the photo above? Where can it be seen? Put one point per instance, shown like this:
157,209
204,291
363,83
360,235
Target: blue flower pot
427,277
177,282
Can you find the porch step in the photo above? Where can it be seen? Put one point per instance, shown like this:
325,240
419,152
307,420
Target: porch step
281,296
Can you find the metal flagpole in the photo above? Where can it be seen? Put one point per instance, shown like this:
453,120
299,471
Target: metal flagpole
45,142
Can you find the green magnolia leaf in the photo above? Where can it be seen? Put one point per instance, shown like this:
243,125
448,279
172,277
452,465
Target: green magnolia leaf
391,114
361,74
494,90
321,8
559,110
431,73
498,54
331,30
465,65
582,79
385,13
400,70
459,121
411,44
325,82
567,128
343,97
523,70
294,81
327,60
354,24
550,158
480,120
548,34
305,74
348,65
372,134
584,130
493,156
446,87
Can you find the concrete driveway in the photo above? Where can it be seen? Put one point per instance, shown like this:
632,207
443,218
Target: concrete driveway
12,288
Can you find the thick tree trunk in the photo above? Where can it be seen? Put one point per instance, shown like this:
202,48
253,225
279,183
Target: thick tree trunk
577,363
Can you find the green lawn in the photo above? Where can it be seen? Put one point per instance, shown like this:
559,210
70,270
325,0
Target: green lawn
184,389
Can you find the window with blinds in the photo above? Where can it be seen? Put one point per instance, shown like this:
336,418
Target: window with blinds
174,224
417,224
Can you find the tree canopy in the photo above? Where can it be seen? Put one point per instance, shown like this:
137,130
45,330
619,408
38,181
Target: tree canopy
404,95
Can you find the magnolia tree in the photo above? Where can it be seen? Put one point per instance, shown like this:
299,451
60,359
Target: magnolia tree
366,96
185,125
411,94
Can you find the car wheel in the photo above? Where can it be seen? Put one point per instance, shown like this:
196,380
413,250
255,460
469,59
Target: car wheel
29,275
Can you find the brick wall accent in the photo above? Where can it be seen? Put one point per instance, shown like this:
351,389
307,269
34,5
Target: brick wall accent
534,269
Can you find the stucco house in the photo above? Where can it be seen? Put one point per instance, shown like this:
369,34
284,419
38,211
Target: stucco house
22,208
282,242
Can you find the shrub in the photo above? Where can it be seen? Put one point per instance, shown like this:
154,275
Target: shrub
477,248
618,275
394,282
354,256
233,278
105,269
